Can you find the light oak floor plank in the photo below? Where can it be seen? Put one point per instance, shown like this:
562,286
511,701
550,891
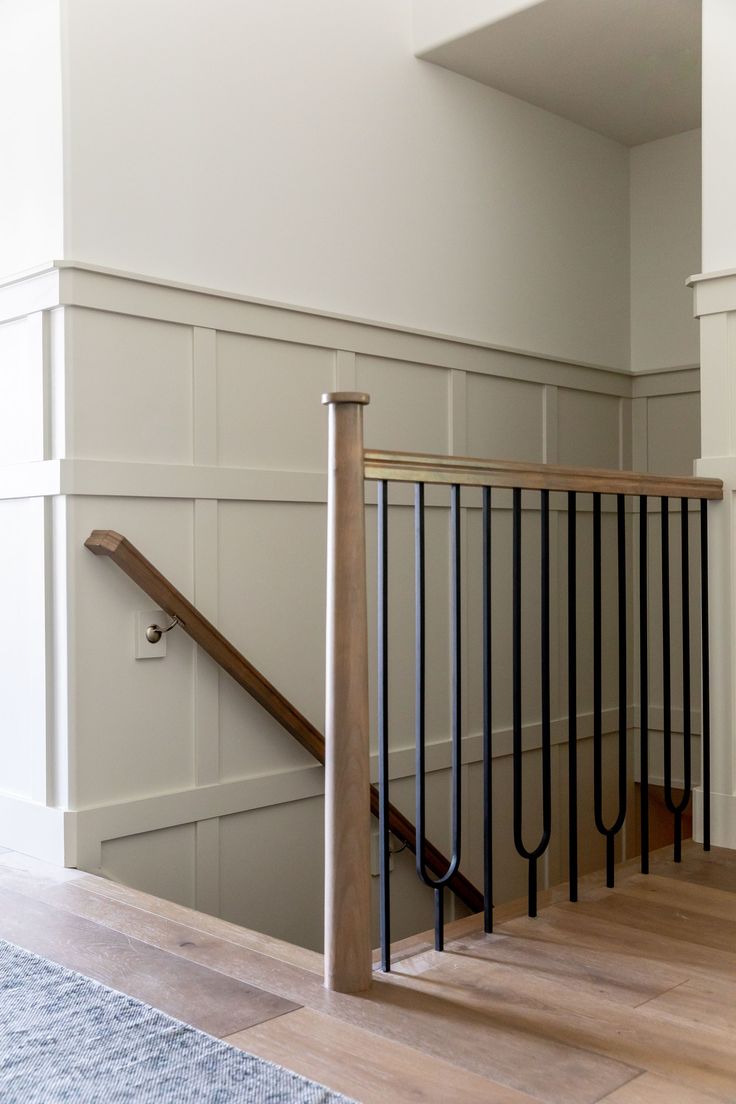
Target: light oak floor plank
204,998
373,1071
714,868
573,925
708,1001
651,1089
697,1055
35,871
685,897
601,973
637,914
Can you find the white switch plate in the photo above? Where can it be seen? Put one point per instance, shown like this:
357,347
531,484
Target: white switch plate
143,647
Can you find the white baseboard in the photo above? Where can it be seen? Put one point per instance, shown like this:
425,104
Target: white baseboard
722,819
37,830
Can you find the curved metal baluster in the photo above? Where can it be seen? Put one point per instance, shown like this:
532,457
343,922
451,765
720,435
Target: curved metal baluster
609,831
534,854
437,884
676,808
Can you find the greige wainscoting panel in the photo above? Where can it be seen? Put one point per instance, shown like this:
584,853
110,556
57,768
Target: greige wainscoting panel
133,719
673,432
589,433
162,862
129,388
271,876
267,416
271,558
505,418
409,407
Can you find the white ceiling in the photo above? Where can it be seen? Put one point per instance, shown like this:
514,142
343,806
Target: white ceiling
629,69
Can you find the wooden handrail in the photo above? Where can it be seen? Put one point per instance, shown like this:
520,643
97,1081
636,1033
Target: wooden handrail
408,467
106,542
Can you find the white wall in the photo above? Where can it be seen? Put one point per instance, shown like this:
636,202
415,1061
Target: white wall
665,250
31,223
436,21
301,153
719,135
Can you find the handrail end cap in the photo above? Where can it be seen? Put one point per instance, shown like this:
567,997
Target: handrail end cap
359,397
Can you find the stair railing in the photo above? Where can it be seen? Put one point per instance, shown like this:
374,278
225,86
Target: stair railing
130,560
347,916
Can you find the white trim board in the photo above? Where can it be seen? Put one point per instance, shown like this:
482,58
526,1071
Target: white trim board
75,284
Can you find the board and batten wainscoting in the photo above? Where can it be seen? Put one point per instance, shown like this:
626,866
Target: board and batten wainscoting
190,421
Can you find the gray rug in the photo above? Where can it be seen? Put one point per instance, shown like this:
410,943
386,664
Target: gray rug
65,1038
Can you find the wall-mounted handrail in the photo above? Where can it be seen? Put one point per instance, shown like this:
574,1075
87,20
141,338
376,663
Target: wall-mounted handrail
106,542
409,467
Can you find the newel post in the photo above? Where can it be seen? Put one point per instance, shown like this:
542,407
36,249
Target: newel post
347,779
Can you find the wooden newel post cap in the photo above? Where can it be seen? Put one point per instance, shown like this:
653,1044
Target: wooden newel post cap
346,397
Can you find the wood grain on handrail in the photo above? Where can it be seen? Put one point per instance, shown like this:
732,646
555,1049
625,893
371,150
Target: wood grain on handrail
408,467
106,542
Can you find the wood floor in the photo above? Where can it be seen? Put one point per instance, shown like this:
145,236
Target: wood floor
628,996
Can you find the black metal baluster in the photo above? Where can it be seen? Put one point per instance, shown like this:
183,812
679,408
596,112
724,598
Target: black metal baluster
546,698
597,674
666,672
687,720
383,772
705,646
420,671
572,704
531,856
437,884
677,809
487,720
610,831
439,918
456,635
516,672
623,730
644,682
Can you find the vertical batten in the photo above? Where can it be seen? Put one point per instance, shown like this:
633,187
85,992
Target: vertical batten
347,779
